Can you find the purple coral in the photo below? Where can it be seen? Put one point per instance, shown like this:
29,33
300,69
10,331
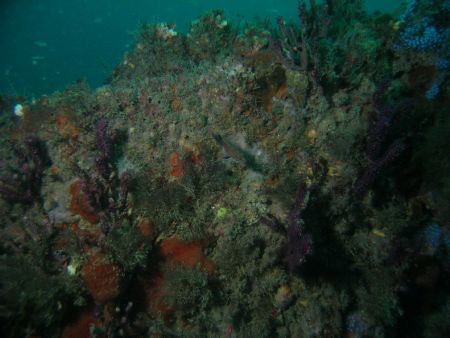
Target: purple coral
299,244
124,186
300,200
373,170
104,146
102,166
22,184
102,139
108,197
106,192
378,133
297,248
376,139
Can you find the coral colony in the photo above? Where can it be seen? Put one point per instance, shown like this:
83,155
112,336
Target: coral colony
240,180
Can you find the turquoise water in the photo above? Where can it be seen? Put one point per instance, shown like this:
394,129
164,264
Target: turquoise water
48,44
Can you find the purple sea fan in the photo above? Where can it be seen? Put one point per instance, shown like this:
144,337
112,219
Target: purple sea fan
373,170
23,184
385,114
300,201
124,186
377,135
104,146
102,138
297,248
299,244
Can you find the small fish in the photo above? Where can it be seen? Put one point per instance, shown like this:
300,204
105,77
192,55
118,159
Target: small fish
378,233
38,57
41,43
237,153
232,150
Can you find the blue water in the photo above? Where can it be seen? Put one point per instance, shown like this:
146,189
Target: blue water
45,45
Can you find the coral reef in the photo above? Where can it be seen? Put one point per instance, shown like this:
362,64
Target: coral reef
240,180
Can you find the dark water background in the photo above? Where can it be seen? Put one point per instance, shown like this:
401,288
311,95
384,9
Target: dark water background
45,45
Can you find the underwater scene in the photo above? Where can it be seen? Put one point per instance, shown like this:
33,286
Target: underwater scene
286,176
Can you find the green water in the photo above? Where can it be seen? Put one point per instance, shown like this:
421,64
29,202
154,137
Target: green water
48,44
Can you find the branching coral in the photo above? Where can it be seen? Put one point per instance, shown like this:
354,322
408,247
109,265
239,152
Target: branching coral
22,182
